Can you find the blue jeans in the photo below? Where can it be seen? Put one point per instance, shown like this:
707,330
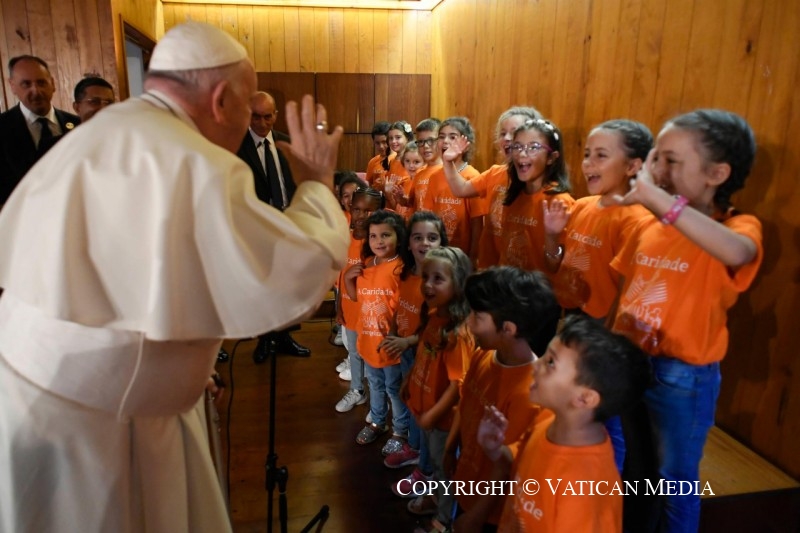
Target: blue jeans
614,429
415,438
681,405
382,382
349,337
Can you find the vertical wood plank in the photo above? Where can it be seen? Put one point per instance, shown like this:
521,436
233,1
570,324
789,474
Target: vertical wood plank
350,33
244,15
601,81
380,38
169,16
197,12
394,42
702,58
87,30
423,43
214,16
322,40
66,68
230,20
337,40
366,41
106,42
672,64
277,40
625,68
17,33
307,40
409,60
648,50
291,35
261,39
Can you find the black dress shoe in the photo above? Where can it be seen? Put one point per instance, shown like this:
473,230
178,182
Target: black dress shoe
264,349
222,356
285,344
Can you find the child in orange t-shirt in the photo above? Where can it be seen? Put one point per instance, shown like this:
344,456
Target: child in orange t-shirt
428,145
412,163
379,165
432,389
682,270
426,232
587,375
374,284
365,201
509,306
400,134
463,218
491,185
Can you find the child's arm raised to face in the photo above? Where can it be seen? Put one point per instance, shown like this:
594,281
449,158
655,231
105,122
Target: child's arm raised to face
555,218
730,248
459,186
350,280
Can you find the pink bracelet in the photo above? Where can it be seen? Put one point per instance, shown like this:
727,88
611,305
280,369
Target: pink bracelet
675,211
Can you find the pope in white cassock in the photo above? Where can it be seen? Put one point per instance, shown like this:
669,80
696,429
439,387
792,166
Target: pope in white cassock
126,255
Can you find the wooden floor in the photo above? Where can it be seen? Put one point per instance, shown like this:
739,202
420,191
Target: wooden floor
326,466
312,440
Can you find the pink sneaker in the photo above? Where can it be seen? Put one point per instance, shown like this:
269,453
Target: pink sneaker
406,456
412,485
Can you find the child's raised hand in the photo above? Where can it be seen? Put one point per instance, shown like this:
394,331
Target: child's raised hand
492,432
556,216
643,187
456,149
354,271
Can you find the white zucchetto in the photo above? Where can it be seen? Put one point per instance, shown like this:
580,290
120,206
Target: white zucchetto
196,45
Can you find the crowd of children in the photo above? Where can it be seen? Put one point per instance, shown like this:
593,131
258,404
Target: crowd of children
578,313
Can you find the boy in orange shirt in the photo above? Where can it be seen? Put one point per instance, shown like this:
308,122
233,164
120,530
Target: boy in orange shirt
587,375
509,306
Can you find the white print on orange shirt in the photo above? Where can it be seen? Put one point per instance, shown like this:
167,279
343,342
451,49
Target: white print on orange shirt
518,249
450,219
496,210
642,303
590,240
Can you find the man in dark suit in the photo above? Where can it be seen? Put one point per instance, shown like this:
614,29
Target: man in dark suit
30,128
275,186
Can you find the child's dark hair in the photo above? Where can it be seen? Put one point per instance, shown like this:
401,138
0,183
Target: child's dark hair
380,128
458,307
372,194
725,137
556,178
608,363
392,219
636,137
420,216
405,128
429,124
345,177
463,126
523,297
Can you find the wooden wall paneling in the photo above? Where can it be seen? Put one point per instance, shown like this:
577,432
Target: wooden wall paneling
87,30
483,73
246,30
672,65
198,13
702,58
542,93
261,40
742,22
169,16
291,37
350,37
214,16
355,151
402,97
423,43
366,41
394,35
625,68
349,100
17,33
285,86
409,33
307,40
380,41
62,34
277,40
322,41
337,41
648,56
601,74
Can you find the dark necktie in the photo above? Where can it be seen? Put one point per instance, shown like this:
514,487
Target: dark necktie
47,135
274,179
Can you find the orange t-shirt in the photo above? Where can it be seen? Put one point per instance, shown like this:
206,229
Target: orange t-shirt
434,368
377,290
491,187
409,305
488,382
675,297
522,242
584,492
350,309
419,186
456,213
375,169
593,236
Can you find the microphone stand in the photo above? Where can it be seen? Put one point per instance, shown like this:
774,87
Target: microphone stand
280,475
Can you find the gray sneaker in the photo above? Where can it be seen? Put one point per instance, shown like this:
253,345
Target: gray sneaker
350,400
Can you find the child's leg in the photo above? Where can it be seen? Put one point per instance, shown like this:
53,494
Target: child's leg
436,442
414,434
400,415
681,406
356,362
377,397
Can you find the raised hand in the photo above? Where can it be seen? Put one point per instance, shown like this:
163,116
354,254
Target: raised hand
556,216
456,149
313,151
644,187
492,432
